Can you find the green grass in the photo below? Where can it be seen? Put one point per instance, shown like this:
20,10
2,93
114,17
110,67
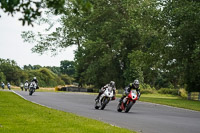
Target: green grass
18,115
38,90
171,100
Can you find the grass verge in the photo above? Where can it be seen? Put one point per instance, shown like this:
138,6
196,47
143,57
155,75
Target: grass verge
171,100
18,115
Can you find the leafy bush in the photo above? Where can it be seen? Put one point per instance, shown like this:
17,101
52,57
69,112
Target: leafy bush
182,92
46,78
168,91
147,89
57,88
146,86
67,79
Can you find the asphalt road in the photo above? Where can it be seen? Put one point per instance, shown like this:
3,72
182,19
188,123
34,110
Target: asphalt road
143,117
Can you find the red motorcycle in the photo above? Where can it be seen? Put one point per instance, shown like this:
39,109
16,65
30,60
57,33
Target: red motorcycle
128,101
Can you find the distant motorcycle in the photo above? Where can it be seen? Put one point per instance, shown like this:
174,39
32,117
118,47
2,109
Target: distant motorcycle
32,87
22,87
2,85
128,101
104,99
26,86
8,85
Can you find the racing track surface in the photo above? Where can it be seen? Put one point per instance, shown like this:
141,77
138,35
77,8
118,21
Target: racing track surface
143,117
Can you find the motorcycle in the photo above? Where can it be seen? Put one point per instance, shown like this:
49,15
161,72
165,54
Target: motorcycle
128,101
104,99
26,86
22,87
8,85
32,87
2,85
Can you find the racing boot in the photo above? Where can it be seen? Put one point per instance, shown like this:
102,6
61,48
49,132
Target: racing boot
121,99
97,98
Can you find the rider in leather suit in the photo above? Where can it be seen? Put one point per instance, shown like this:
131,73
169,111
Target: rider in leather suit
111,84
134,85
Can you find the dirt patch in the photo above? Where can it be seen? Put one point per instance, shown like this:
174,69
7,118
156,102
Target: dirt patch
52,89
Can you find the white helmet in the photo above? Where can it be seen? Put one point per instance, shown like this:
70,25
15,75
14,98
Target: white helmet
34,77
112,83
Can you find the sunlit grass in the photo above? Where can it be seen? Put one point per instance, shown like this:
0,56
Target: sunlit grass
171,100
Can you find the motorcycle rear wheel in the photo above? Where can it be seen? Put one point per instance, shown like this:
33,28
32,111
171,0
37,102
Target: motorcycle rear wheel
30,93
104,103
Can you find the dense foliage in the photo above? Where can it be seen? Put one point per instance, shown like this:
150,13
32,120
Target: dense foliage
31,9
155,41
47,76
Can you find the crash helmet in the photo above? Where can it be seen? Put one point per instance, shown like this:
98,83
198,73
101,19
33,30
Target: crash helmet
112,83
136,83
34,78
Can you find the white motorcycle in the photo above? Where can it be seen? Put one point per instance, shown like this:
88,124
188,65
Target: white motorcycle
26,86
104,99
32,87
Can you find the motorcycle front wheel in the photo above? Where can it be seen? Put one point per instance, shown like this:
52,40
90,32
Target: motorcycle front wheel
96,105
128,106
104,102
30,92
118,107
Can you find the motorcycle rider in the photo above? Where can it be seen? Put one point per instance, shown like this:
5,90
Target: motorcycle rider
36,81
26,85
26,82
21,86
112,85
8,85
2,85
134,85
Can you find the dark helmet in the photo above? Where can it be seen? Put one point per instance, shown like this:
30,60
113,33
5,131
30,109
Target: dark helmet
136,83
112,83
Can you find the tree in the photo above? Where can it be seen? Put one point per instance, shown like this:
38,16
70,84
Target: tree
155,41
31,9
46,77
104,37
67,67
28,67
182,21
2,77
11,72
67,79
54,69
110,35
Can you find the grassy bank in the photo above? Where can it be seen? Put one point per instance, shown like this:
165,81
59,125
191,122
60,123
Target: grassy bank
171,100
18,115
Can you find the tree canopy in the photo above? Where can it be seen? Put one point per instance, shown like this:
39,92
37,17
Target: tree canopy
32,9
47,76
155,41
